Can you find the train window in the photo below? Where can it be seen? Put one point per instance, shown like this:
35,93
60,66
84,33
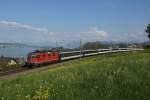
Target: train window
53,54
49,54
38,56
43,55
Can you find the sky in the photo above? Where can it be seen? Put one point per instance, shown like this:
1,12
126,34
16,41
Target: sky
43,22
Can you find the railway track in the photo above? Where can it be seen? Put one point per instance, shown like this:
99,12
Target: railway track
11,71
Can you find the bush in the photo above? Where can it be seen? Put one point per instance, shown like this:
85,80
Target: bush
147,47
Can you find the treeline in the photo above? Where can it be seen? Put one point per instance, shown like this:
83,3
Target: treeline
103,45
98,45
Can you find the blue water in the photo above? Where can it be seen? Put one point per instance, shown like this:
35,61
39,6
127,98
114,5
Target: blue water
15,52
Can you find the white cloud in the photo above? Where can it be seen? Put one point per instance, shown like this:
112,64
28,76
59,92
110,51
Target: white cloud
92,34
95,31
132,37
21,26
49,37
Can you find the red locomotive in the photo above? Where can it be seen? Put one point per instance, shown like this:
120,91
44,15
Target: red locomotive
42,57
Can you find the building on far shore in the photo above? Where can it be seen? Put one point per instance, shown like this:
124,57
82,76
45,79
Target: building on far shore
135,46
6,61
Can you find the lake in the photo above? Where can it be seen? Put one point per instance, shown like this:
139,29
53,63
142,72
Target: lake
15,52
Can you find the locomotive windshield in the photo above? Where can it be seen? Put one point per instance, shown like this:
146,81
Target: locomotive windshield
33,56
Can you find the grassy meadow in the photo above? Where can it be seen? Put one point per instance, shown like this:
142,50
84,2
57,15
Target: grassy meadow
118,76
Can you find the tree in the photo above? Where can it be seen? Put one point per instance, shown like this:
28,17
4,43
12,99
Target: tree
148,31
92,45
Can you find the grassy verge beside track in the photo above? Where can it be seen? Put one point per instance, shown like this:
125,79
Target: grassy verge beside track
3,67
118,76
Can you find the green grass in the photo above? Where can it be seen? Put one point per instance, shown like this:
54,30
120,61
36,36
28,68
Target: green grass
120,76
4,66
